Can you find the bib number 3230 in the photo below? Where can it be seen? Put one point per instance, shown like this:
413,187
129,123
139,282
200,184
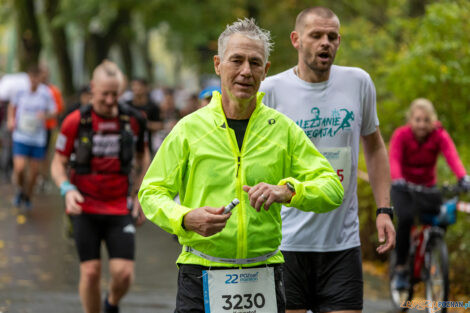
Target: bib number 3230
239,291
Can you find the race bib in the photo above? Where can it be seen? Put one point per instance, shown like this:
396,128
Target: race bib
340,160
29,123
239,291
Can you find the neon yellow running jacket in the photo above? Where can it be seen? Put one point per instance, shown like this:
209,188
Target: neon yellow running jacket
200,159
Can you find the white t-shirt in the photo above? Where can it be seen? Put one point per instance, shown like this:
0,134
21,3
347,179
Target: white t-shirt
334,114
30,129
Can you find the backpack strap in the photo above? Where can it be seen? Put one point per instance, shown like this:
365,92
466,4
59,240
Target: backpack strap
127,145
84,152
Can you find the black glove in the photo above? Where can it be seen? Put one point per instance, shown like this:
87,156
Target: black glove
464,183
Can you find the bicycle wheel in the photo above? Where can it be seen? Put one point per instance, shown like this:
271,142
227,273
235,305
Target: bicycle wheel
398,297
437,267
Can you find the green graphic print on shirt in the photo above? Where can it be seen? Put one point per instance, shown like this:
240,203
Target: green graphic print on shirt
319,126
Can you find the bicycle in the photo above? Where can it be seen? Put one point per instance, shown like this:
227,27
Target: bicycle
428,260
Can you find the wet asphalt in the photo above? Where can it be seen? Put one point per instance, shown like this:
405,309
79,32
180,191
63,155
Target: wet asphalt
39,265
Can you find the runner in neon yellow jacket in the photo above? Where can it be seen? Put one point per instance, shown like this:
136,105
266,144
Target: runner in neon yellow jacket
201,161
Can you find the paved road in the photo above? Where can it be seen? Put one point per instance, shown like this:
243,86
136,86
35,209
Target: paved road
39,267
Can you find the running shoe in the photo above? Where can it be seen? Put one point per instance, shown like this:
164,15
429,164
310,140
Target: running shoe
109,308
400,280
18,199
27,205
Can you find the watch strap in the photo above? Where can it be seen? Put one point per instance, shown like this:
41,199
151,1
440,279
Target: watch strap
386,210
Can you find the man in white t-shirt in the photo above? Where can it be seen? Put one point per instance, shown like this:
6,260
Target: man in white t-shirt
335,106
27,113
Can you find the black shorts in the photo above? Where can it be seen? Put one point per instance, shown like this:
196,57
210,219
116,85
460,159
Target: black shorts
117,231
190,298
324,281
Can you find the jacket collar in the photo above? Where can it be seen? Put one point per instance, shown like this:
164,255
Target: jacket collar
216,106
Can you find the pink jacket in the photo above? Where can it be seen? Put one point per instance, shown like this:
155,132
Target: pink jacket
416,162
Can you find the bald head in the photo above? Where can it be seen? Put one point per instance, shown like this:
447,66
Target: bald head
109,70
313,11
316,38
106,85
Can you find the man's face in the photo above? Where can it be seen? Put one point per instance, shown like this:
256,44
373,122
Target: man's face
242,68
105,93
35,79
85,98
138,88
317,41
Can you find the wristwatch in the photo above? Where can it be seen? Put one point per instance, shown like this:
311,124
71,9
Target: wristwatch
388,211
290,187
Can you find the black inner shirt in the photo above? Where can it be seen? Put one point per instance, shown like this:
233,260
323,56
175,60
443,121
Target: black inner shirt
239,127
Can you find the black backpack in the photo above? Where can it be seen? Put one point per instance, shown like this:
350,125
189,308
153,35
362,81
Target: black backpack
84,150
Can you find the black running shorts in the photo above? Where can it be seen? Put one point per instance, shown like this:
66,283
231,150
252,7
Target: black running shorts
190,298
323,281
117,231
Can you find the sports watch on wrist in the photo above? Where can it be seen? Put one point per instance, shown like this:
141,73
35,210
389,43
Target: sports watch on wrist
388,211
292,189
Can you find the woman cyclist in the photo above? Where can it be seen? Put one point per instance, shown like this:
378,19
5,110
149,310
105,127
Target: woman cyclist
414,149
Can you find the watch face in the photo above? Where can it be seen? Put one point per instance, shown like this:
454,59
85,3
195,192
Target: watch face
290,187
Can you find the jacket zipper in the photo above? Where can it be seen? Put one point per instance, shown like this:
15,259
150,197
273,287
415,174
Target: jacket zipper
238,166
242,216
241,208
238,151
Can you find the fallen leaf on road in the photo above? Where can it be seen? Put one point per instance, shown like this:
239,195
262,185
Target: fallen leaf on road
21,219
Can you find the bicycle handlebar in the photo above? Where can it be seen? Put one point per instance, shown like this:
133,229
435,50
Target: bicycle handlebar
436,205
446,190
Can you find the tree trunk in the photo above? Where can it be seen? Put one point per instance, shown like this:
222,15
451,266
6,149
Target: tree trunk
125,40
97,45
29,41
96,50
60,44
252,10
147,61
417,7
126,54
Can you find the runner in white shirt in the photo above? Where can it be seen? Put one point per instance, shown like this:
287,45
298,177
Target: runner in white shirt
27,113
335,106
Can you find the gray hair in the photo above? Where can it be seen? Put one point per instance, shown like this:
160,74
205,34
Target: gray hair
246,27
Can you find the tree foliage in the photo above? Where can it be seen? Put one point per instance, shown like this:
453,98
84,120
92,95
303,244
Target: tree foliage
435,64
